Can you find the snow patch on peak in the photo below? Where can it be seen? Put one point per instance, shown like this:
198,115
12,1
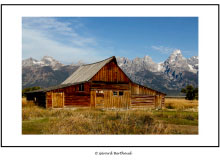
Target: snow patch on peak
176,52
48,58
190,67
147,58
45,61
160,66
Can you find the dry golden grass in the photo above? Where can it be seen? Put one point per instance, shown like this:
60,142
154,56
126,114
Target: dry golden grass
181,104
38,120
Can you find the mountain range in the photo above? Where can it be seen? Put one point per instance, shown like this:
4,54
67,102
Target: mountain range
169,76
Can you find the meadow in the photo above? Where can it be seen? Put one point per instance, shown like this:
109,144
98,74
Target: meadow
179,116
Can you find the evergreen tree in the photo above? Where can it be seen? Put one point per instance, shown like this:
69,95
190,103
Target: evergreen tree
191,93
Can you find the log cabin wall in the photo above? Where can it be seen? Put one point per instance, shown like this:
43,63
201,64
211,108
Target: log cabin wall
163,101
138,89
110,98
144,97
73,96
142,100
110,95
109,86
49,99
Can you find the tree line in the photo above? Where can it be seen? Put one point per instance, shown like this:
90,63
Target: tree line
29,89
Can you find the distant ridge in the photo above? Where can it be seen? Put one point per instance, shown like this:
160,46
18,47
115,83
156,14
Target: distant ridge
168,76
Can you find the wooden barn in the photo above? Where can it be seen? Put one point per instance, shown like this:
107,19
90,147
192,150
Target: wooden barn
101,84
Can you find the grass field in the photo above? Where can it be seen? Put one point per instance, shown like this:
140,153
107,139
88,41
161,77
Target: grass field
178,117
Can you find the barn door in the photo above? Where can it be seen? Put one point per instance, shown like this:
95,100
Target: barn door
117,99
58,100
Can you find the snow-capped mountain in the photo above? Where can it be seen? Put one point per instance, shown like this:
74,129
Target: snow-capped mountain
172,74
174,64
193,63
137,64
169,76
44,73
45,61
30,62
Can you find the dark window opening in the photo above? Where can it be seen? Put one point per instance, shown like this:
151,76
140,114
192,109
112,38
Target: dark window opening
81,87
115,93
120,93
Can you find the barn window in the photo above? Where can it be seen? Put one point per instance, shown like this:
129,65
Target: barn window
81,87
115,93
121,93
99,91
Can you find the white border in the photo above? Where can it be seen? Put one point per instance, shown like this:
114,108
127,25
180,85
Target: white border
208,76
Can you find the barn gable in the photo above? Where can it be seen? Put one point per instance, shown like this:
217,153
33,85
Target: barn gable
86,72
96,71
112,73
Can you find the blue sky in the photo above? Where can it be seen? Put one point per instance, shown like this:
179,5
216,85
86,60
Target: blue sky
90,39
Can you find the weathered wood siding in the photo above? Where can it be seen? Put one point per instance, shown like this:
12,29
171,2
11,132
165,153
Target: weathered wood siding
163,101
49,100
143,96
117,101
111,73
58,99
109,86
138,89
108,100
93,99
72,96
138,100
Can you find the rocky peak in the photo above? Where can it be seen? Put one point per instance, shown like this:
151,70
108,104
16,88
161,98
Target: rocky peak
193,60
48,60
45,61
29,62
148,59
175,56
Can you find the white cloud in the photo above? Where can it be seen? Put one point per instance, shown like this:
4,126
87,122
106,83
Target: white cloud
46,23
163,49
48,36
36,45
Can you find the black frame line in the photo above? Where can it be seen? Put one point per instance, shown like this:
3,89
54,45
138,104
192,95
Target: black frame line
112,5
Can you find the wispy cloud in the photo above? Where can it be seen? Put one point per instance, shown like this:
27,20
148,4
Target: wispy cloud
163,49
60,39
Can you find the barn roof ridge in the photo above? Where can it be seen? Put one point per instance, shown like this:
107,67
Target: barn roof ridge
112,57
86,72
